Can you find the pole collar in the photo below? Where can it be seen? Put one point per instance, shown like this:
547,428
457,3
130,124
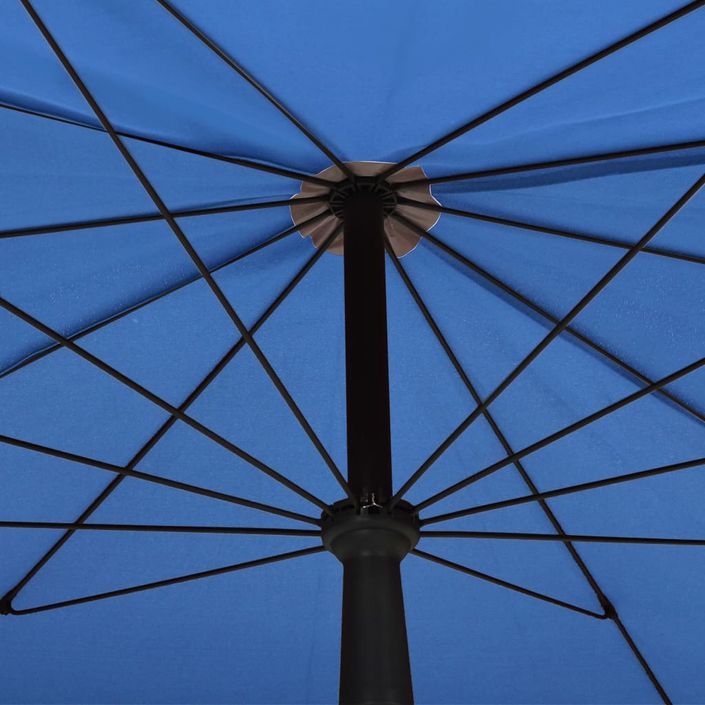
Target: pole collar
349,534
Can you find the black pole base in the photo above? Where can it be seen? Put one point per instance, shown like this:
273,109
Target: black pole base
374,658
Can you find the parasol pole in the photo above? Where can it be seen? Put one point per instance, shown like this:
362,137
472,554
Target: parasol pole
368,541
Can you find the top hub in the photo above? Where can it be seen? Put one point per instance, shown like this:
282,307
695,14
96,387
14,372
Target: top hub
340,193
392,192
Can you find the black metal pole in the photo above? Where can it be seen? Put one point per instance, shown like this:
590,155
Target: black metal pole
367,378
374,655
375,666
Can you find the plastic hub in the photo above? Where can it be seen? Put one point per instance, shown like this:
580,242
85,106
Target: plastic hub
372,531
340,193
407,183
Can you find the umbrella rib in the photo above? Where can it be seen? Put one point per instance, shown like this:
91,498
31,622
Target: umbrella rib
564,538
583,237
261,89
238,161
148,217
159,528
154,479
563,432
586,340
595,290
6,607
202,386
158,401
609,612
570,489
553,164
546,83
198,262
642,660
505,584
39,354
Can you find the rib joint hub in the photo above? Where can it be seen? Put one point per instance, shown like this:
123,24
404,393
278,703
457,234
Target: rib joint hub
370,531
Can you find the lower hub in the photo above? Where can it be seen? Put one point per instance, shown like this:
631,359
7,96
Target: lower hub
349,534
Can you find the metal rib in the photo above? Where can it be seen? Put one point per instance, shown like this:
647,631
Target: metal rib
247,163
154,479
546,83
583,237
571,489
264,92
553,164
149,217
158,528
562,538
505,584
8,609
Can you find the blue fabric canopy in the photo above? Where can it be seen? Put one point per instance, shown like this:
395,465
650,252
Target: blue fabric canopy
514,251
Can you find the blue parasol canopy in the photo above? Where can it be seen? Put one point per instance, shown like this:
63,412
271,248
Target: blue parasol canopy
176,394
